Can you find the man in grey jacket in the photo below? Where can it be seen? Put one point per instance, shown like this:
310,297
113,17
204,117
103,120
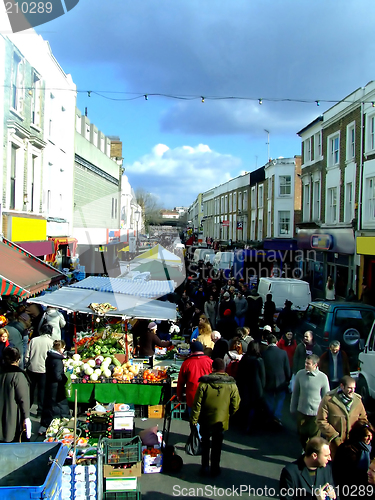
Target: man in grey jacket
35,361
310,386
241,309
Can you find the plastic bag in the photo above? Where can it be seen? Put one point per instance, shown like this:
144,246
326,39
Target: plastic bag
68,385
149,437
193,445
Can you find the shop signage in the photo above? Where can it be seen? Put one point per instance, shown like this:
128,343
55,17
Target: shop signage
225,223
321,241
240,225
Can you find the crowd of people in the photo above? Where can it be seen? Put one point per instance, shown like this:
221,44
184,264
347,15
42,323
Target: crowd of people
243,362
31,371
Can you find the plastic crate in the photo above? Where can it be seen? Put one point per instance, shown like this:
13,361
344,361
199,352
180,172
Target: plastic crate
26,471
122,451
123,495
124,433
180,412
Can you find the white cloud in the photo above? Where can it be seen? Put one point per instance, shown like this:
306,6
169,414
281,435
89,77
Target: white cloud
176,175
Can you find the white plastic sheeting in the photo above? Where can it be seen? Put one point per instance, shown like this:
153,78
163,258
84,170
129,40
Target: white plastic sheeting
149,289
78,299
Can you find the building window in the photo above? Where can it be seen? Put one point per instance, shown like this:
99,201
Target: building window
308,150
350,142
372,132
240,200
306,202
244,200
334,150
284,223
226,203
269,224
332,205
230,202
252,228
348,201
318,145
13,170
316,201
260,225
269,191
222,204
371,198
35,99
33,160
115,208
285,185
253,199
78,123
48,201
234,202
260,196
17,83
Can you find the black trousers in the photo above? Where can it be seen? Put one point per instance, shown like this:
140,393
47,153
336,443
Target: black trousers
212,437
38,383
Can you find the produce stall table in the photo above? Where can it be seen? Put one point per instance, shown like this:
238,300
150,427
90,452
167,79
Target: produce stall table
138,394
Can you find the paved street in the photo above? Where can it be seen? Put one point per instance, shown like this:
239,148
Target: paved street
250,460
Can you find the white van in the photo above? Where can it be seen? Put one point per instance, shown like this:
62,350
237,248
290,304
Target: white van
200,254
223,260
209,258
282,289
366,366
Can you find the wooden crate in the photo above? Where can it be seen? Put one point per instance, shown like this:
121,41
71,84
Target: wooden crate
156,411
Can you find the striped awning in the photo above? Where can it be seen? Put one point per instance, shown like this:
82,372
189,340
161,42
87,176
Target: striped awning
22,274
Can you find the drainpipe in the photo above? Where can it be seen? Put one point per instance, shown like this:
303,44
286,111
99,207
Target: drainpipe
359,210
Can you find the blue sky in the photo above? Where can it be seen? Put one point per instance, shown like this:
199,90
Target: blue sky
269,49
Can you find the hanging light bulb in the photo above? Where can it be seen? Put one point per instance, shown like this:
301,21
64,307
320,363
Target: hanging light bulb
146,97
373,104
317,103
202,99
89,93
260,101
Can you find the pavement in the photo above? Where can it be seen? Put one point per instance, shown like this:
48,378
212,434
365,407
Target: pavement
248,461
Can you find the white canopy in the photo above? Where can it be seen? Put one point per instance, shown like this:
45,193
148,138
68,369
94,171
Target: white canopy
78,299
159,253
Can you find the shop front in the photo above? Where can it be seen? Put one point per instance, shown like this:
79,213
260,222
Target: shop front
366,277
328,252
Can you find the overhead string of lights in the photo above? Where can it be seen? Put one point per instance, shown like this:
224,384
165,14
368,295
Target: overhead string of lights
131,96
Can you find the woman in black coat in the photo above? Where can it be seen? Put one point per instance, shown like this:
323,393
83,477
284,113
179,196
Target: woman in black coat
55,402
14,398
251,379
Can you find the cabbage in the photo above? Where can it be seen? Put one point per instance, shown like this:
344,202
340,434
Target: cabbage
76,357
91,362
98,372
89,370
107,373
94,377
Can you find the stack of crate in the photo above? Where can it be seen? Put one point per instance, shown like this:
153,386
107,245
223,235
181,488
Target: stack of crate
123,421
122,468
80,274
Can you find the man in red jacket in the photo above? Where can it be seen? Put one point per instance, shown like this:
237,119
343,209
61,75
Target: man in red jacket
194,367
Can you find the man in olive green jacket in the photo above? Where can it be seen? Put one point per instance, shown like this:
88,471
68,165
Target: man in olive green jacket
216,399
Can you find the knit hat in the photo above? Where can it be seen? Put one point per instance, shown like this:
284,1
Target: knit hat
226,294
152,325
227,312
196,346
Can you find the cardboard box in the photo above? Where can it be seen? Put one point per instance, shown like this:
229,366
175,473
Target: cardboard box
114,471
152,465
120,484
156,411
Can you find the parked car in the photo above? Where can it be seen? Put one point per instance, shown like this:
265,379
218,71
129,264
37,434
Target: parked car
366,367
347,322
297,291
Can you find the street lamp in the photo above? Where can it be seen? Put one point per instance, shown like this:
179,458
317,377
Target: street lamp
137,215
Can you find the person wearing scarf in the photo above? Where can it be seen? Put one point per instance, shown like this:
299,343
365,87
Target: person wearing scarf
352,458
338,411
